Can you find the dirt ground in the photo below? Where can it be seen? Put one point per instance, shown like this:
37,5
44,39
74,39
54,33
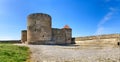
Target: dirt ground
74,53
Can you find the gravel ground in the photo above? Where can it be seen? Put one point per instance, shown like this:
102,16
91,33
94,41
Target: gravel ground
57,53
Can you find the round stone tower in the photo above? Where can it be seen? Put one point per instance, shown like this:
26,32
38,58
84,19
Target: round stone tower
39,29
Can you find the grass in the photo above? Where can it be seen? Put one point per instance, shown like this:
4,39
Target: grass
13,53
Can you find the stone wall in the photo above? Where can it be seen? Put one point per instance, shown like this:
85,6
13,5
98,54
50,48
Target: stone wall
39,28
58,36
110,39
68,35
24,36
61,36
10,41
39,31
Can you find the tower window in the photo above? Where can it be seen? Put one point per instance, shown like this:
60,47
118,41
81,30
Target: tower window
43,36
118,43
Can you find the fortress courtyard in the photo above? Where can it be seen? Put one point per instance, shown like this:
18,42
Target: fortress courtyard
74,53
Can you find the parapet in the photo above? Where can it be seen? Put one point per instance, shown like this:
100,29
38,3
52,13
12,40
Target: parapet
35,15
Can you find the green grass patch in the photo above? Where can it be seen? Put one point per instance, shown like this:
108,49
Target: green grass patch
13,53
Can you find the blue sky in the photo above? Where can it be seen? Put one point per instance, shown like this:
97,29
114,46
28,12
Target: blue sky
85,17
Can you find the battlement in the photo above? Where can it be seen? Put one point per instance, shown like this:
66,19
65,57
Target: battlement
34,15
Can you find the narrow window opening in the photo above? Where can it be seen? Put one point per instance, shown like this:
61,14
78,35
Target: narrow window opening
43,36
118,43
69,39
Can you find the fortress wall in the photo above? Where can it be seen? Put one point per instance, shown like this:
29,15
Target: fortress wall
98,37
10,41
98,42
111,39
24,36
68,35
39,28
58,36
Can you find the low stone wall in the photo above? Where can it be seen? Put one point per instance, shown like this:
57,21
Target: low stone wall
98,37
110,39
10,41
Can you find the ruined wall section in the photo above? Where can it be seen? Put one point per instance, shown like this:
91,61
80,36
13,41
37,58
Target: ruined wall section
58,36
23,36
39,28
110,39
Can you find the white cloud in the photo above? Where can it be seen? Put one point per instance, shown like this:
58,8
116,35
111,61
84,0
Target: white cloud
105,19
99,31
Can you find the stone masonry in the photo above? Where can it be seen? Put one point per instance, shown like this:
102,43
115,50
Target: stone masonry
39,31
109,39
24,36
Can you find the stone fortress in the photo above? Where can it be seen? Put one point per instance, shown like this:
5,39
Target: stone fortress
39,31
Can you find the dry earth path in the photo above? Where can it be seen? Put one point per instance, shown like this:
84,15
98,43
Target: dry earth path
56,53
